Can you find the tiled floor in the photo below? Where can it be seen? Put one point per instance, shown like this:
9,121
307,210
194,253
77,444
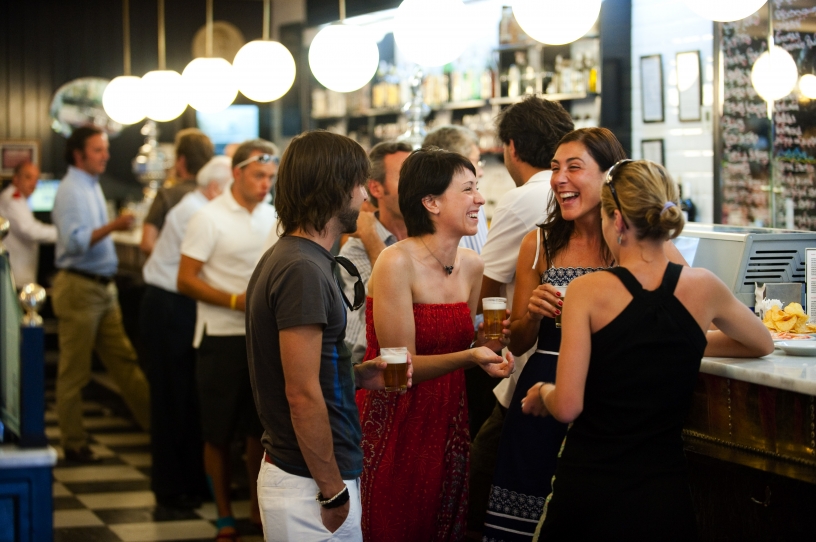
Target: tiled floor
112,501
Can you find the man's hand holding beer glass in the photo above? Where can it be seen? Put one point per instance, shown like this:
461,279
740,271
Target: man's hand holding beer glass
371,374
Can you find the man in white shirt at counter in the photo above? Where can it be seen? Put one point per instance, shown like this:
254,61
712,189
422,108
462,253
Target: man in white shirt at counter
26,233
222,245
529,132
167,325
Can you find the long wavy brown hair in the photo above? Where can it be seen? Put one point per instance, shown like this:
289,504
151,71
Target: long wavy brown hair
605,149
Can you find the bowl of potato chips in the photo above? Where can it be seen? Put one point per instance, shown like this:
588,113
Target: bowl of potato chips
788,323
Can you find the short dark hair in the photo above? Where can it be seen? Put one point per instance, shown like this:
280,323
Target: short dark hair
77,140
427,172
253,145
377,156
535,126
317,174
195,147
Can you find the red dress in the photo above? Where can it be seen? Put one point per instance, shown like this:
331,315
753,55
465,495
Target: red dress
416,445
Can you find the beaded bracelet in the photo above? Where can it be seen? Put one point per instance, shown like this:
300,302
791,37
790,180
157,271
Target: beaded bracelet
335,502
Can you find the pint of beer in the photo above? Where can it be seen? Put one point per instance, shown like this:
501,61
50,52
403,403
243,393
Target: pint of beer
563,291
494,310
396,374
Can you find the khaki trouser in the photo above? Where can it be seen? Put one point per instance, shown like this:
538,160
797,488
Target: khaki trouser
89,319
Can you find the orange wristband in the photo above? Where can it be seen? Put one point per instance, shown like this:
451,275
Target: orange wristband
233,299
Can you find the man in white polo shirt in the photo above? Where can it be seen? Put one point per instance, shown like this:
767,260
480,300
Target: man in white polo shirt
221,247
167,324
530,132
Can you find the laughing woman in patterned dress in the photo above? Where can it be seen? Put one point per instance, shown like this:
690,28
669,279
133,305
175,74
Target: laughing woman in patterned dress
568,245
422,295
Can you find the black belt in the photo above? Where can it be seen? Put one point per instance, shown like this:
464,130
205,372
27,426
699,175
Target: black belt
101,279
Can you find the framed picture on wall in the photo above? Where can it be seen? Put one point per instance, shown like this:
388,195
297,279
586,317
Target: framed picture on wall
15,151
651,87
689,86
652,149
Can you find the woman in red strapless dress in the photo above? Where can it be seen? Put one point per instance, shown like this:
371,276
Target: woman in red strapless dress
423,293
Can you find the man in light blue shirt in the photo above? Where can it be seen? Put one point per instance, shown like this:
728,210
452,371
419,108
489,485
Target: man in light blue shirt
84,294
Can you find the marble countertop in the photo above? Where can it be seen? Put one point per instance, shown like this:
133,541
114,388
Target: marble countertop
14,457
777,370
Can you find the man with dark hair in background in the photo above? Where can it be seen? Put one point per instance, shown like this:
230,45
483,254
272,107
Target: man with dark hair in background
303,380
530,132
193,150
375,231
26,233
221,247
84,294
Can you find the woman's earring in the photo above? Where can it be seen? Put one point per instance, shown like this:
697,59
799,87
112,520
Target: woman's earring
619,239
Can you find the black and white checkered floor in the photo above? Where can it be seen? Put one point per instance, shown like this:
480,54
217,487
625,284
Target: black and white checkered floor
112,501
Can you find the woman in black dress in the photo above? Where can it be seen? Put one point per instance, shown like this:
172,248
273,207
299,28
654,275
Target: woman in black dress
633,337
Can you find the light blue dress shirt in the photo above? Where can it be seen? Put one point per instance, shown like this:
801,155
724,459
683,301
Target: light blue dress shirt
79,209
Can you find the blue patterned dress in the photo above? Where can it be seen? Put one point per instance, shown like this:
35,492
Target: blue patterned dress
529,445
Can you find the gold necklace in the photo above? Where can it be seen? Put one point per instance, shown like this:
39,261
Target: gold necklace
447,268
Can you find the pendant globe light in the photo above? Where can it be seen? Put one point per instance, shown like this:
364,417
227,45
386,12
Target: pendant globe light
343,57
807,86
209,83
556,22
122,99
163,89
724,10
774,74
432,32
264,69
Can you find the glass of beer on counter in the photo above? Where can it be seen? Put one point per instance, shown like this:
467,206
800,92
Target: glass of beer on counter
495,312
396,374
563,291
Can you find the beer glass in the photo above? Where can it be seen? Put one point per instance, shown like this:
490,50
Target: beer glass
563,291
494,310
396,374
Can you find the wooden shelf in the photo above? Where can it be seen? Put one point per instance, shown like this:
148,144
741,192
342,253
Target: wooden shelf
551,97
532,43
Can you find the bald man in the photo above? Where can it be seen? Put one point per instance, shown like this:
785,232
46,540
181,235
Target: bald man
26,234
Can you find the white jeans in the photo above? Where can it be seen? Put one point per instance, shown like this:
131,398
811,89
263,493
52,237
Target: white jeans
289,511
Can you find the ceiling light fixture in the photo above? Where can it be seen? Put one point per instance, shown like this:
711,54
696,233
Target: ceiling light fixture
122,99
343,57
264,69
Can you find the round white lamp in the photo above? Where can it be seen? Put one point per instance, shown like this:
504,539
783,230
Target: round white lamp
807,86
724,10
264,70
432,32
555,21
343,58
122,99
209,84
774,75
163,92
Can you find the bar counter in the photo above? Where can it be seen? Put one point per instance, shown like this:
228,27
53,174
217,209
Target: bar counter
750,442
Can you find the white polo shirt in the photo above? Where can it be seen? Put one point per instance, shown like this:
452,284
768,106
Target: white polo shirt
229,240
516,215
25,235
161,268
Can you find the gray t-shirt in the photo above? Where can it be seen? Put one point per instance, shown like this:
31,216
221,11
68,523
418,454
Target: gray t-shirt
294,285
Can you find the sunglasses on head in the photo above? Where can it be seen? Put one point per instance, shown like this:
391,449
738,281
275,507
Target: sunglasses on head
260,158
608,183
359,287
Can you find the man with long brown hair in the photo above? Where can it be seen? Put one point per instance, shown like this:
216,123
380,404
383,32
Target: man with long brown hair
303,380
